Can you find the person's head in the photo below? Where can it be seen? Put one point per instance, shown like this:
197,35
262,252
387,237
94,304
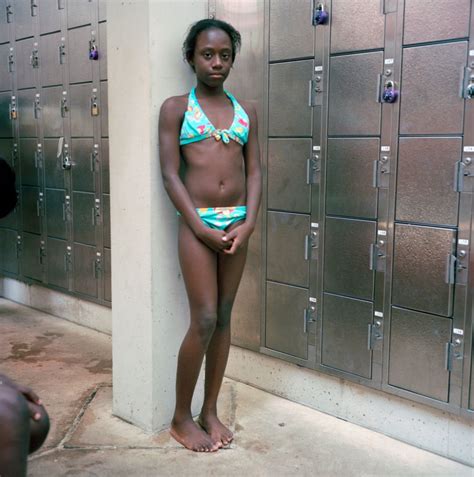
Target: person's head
210,48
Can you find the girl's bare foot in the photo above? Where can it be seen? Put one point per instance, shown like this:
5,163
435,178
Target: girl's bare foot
188,434
214,427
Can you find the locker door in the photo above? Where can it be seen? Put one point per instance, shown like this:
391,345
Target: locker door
9,251
80,12
5,120
32,202
57,262
52,57
51,111
83,218
23,18
84,164
54,172
103,50
56,213
4,25
106,220
29,162
25,73
85,275
32,256
80,110
80,66
26,113
107,275
5,74
104,109
49,16
104,163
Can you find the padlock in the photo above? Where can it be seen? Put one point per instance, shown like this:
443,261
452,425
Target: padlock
390,94
94,108
93,53
13,113
320,15
470,91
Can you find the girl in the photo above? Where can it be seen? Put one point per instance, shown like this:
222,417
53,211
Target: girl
217,202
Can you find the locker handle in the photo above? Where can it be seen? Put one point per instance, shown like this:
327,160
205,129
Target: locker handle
34,6
373,256
305,320
378,97
93,216
37,208
449,277
307,240
9,13
369,337
447,357
375,171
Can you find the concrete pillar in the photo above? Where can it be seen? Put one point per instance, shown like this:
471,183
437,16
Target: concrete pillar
150,311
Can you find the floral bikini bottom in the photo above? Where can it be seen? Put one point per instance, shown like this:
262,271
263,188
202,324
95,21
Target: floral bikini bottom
221,217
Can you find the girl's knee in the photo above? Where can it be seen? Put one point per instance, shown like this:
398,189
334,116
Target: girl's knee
224,314
204,323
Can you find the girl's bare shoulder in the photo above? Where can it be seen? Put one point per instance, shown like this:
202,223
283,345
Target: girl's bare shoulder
174,106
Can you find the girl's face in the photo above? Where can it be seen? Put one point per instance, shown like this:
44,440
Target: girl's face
212,58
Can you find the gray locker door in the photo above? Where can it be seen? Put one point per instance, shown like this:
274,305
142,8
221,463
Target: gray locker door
107,275
54,173
51,70
11,221
29,170
5,74
80,110
432,20
346,264
26,113
417,353
83,217
79,12
31,209
421,257
51,111
80,66
57,268
287,188
85,280
103,51
471,401
55,213
291,30
106,219
356,25
289,111
349,188
353,109
104,161
8,251
285,248
102,10
104,109
49,16
431,104
425,184
5,121
345,333
4,26
23,20
25,73
6,152
31,265
285,320
83,164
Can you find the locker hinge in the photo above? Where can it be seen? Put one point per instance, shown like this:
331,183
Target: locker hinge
64,105
320,15
375,331
377,256
96,213
311,242
41,252
97,265
454,349
309,314
34,57
94,157
381,170
467,88
462,169
13,109
388,6
14,155
39,156
40,205
61,4
11,61
67,215
37,106
462,261
313,169
68,259
316,88
94,104
9,10
34,8
62,52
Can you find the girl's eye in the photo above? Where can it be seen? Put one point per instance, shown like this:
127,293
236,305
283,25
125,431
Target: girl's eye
207,55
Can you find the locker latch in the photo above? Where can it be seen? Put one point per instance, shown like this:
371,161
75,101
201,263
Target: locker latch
468,84
313,169
94,156
316,87
68,259
37,106
61,4
375,331
93,52
40,205
9,9
377,256
39,156
67,215
98,265
94,105
453,351
462,169
381,172
11,61
96,215
18,246
42,252
462,261
320,15
34,57
14,154
66,158
309,314
34,8
64,105
62,52
311,242
13,110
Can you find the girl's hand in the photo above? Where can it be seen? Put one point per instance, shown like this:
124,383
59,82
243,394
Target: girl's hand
214,239
237,237
31,397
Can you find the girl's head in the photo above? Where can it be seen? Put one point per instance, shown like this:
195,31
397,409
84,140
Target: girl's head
199,29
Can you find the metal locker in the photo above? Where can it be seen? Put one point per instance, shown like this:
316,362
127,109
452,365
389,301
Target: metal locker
23,17
471,401
347,257
49,16
431,103
83,217
58,262
52,111
80,66
286,238
25,63
289,111
54,173
79,12
432,20
6,69
104,109
84,157
345,335
424,268
9,153
32,205
32,256
80,110
9,251
353,83
107,274
356,25
104,162
291,30
6,129
103,50
26,113
52,57
287,175
56,213
106,220
349,177
425,181
85,270
29,161
11,221
418,353
4,23
285,323
102,10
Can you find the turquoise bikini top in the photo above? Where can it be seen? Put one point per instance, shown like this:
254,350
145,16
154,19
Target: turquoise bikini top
197,127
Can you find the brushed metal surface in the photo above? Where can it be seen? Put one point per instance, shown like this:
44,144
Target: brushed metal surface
106,219
29,171
82,174
80,66
30,263
83,227
4,26
23,21
356,25
349,189
80,110
289,111
344,334
287,187
80,12
26,114
5,75
84,279
55,223
25,73
284,326
104,164
5,121
8,251
54,174
420,267
426,179
346,262
6,149
285,248
102,10
57,274
107,274
417,353
51,111
29,206
291,29
49,16
431,20
353,109
431,103
51,70
104,109
102,47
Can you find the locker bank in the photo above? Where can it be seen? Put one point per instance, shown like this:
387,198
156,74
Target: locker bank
360,277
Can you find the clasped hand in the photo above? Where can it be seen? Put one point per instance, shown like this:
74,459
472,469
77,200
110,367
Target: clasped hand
226,242
31,397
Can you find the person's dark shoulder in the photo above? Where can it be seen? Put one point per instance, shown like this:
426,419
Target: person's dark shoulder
175,106
248,106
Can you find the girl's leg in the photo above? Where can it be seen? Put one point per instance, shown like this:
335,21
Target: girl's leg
199,268
230,269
